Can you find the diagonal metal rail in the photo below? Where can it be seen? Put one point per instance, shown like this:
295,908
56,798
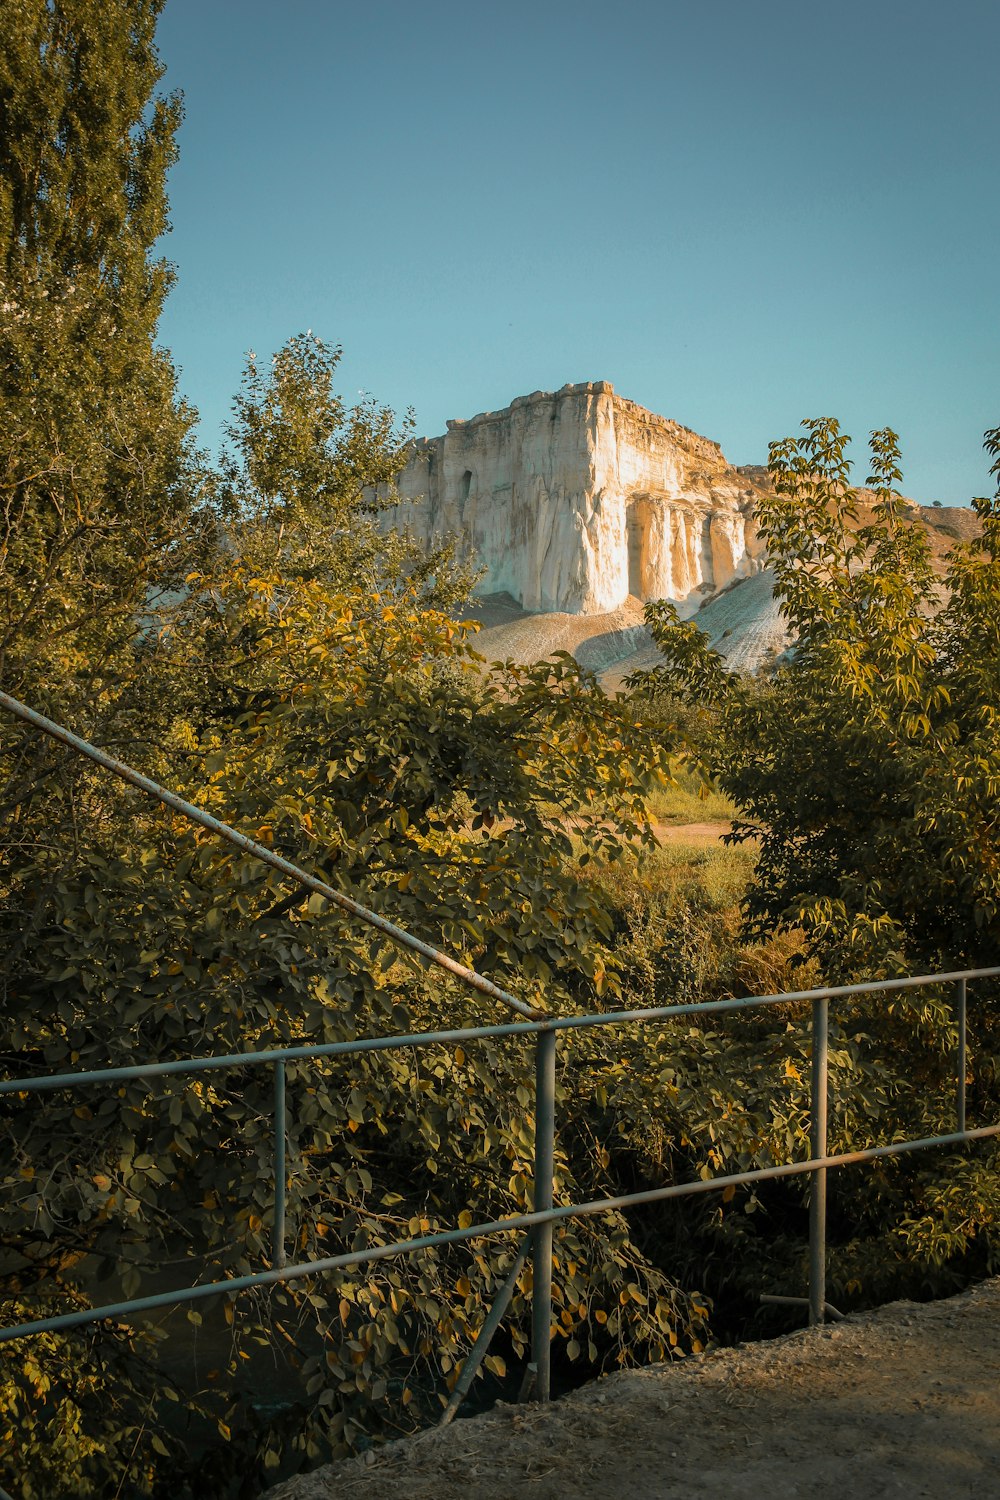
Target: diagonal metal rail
267,856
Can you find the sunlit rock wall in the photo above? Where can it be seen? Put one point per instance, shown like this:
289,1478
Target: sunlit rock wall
574,500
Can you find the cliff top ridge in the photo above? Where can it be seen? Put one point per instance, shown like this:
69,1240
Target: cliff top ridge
580,388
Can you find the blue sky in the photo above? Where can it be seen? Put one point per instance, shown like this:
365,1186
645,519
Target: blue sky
741,212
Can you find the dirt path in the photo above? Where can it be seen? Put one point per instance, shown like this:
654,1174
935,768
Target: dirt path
690,833
901,1402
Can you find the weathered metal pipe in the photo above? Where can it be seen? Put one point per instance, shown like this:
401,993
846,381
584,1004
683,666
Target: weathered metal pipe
541,1260
772,1298
963,1041
817,1197
267,856
280,1183
484,1337
467,1034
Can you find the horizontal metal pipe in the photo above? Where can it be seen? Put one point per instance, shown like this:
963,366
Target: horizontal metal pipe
267,856
479,1231
276,1054
465,1034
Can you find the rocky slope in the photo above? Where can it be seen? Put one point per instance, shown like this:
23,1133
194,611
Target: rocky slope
742,621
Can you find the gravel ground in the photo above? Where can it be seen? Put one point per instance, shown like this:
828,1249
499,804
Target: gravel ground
900,1402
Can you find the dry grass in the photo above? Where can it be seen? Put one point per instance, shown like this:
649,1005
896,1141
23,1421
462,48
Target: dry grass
690,800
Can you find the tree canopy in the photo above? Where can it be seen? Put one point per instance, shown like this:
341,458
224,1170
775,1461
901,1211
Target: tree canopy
97,497
865,767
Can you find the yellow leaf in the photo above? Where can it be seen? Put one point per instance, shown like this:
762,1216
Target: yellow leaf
465,1219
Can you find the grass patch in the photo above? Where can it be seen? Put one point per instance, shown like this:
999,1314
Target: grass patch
690,800
679,930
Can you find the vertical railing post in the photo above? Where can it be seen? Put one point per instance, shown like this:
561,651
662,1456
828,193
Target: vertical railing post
278,1238
541,1261
817,1197
962,1054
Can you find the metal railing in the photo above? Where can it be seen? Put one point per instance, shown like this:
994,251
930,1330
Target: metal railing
536,1227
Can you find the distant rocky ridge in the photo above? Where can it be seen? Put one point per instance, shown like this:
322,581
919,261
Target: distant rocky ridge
581,506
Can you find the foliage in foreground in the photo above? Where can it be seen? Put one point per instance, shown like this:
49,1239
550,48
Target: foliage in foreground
865,772
359,734
362,737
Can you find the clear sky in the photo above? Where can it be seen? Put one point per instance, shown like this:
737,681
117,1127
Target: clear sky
740,212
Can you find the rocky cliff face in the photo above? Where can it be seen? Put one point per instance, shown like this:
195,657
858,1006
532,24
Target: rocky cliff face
575,500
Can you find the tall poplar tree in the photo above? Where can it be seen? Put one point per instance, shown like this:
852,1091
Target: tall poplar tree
94,488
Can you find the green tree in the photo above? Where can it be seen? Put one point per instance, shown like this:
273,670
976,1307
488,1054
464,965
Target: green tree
865,767
320,695
95,485
309,485
865,770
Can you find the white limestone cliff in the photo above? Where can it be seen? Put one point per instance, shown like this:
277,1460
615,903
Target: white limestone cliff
576,499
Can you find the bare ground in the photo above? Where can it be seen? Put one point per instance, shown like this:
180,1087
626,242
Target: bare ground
691,833
900,1402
